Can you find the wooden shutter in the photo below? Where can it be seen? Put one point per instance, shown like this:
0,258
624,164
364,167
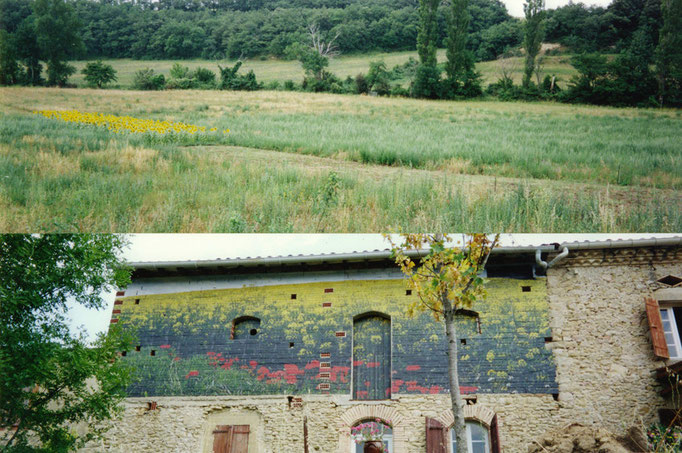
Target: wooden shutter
231,439
653,312
436,436
494,436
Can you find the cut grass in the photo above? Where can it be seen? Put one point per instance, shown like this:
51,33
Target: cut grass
346,65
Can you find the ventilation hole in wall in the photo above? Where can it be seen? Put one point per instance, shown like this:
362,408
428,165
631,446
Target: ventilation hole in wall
137,301
408,292
253,332
670,280
326,304
152,352
151,406
291,344
340,334
118,302
325,375
293,296
470,400
324,386
548,339
290,399
525,289
325,355
329,290
123,353
555,396
463,340
325,365
137,348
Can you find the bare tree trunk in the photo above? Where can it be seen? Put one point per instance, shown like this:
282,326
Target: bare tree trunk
455,396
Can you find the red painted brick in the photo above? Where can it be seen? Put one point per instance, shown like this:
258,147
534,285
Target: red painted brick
116,311
329,290
113,321
326,304
325,355
340,334
120,293
118,302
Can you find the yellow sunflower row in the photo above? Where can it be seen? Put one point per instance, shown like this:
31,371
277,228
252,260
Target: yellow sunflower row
124,123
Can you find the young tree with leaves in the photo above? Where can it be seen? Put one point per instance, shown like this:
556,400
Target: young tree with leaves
533,35
99,74
51,379
448,283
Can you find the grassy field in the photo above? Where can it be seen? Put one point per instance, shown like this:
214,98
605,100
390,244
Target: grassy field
270,69
318,162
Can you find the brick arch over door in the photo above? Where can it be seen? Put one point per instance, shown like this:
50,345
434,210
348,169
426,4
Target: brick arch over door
361,412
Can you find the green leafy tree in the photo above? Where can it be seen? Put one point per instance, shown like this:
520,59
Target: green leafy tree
378,78
669,54
57,34
9,69
99,74
533,35
28,52
448,283
427,77
51,379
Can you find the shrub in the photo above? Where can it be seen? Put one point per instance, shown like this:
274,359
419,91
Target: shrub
146,79
426,82
99,74
273,85
361,85
230,80
179,71
290,85
377,78
204,76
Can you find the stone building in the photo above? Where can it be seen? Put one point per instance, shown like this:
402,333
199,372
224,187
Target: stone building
316,353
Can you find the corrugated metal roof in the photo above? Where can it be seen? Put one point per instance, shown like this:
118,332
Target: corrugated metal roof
383,254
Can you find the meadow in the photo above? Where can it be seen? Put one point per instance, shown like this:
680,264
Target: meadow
269,70
319,162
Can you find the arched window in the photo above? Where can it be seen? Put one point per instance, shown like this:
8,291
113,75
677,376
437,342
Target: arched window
479,438
246,327
372,436
372,357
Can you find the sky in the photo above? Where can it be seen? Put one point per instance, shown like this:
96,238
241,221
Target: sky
515,7
178,247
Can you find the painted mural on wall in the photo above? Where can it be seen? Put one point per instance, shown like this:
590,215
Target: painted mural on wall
293,339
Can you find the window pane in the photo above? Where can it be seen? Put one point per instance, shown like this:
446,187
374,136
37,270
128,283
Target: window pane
478,432
478,447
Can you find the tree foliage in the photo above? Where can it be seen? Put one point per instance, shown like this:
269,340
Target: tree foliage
58,38
533,35
669,54
99,74
448,283
50,378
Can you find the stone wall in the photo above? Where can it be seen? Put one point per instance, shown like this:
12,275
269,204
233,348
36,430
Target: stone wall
600,344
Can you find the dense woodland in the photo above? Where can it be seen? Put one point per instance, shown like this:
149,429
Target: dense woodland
237,29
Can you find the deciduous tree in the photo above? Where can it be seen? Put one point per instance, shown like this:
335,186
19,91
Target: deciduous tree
49,377
533,35
99,74
448,283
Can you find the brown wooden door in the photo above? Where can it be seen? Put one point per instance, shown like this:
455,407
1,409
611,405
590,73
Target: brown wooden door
231,439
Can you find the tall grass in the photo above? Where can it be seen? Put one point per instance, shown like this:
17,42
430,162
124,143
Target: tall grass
56,177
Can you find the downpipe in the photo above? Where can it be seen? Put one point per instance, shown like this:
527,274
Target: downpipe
544,264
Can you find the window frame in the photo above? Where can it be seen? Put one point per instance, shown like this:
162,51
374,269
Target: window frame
468,423
674,331
386,437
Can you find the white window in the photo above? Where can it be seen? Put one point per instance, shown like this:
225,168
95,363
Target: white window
479,439
371,436
672,320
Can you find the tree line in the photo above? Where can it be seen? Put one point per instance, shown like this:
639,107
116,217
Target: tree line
644,35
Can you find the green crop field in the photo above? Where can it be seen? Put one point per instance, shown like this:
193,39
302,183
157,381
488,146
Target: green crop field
321,162
269,70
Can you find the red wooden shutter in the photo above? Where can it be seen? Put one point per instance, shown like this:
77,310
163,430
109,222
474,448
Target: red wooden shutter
435,436
231,439
656,328
494,436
